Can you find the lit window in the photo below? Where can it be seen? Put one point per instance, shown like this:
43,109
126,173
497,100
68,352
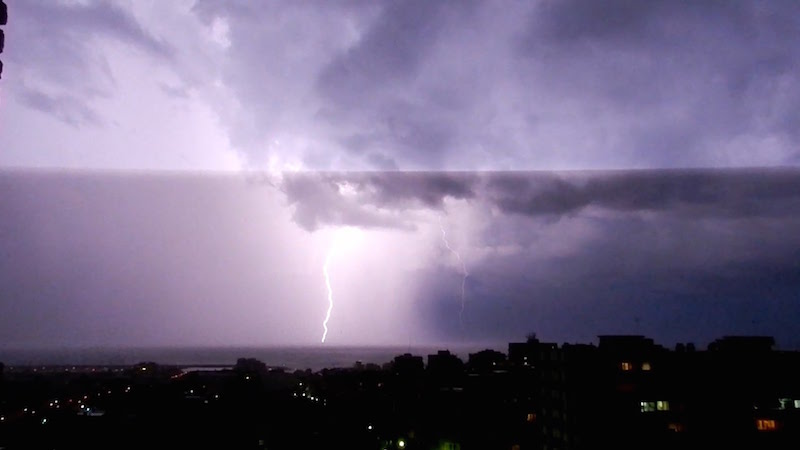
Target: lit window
785,402
626,366
648,406
646,366
531,417
662,405
676,427
765,425
797,404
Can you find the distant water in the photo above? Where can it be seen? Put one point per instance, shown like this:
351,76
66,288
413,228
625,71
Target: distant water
314,358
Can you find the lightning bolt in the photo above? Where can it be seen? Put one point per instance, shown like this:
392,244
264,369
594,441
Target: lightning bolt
330,293
344,239
463,272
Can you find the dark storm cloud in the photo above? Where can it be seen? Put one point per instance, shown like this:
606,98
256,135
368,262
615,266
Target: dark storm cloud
516,85
739,43
370,199
379,199
676,255
54,51
702,193
630,20
369,83
68,108
643,267
318,202
414,188
390,51
700,74
73,23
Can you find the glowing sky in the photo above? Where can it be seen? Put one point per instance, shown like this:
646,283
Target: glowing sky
398,118
473,85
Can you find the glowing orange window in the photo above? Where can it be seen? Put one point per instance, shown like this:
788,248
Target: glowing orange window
766,425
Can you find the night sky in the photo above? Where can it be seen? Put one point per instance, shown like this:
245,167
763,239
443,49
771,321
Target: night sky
179,173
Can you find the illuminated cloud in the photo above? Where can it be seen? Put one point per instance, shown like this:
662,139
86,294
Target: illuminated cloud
411,85
414,112
160,259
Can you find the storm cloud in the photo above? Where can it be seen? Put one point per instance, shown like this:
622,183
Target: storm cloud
676,255
54,45
672,254
485,85
370,199
378,199
701,193
600,167
419,85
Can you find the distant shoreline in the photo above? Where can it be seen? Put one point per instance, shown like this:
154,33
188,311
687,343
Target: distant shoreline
288,357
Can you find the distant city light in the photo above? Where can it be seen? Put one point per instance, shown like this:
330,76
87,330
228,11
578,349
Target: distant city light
369,427
401,443
766,425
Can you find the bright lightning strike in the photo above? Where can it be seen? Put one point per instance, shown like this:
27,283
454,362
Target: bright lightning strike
464,272
330,294
344,238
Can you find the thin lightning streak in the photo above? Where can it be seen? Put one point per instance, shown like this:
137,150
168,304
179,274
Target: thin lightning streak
463,272
330,294
343,239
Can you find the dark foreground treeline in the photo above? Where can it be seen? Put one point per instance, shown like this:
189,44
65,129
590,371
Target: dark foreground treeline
626,392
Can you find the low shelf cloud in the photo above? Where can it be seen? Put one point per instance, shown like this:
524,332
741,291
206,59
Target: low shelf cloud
117,257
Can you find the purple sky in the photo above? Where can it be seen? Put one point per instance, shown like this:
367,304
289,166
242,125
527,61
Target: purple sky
217,149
